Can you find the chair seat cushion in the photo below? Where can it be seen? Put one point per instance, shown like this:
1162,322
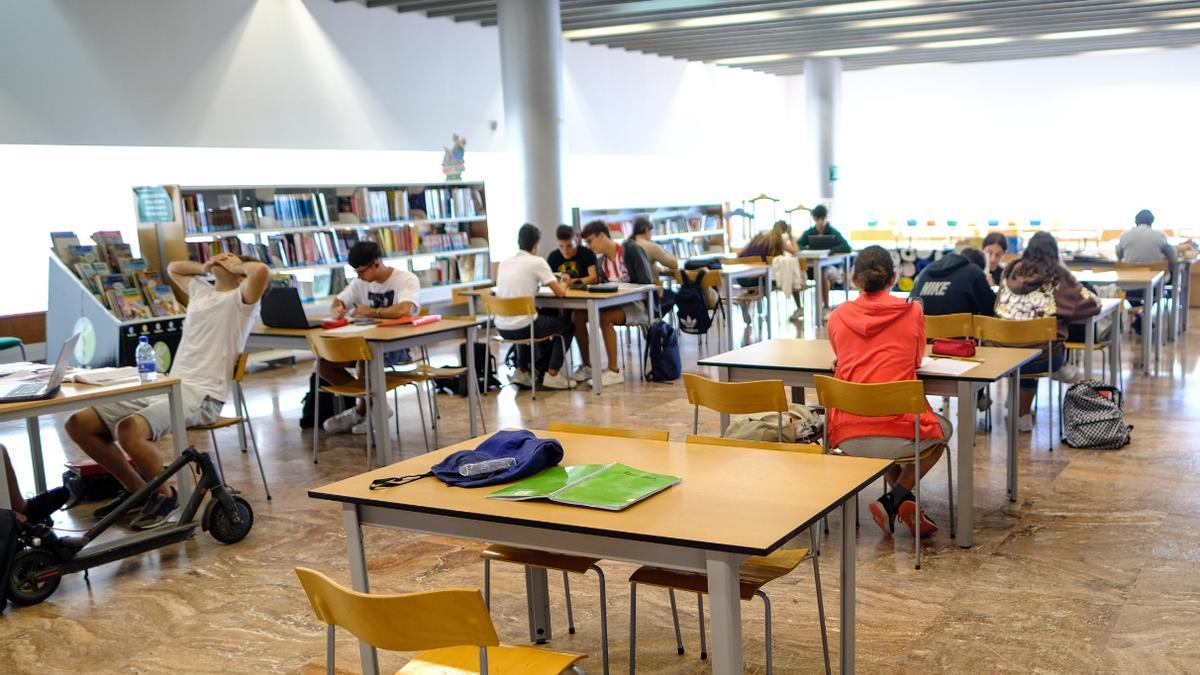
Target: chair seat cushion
535,558
755,573
355,387
9,342
502,660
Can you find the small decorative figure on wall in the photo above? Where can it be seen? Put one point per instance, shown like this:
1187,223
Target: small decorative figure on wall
452,162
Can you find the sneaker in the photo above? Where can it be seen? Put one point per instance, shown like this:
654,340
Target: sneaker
558,381
582,374
1025,423
885,517
343,421
1067,373
797,315
108,508
609,378
907,513
521,378
361,428
39,507
155,510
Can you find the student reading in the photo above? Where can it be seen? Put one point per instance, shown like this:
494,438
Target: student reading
577,262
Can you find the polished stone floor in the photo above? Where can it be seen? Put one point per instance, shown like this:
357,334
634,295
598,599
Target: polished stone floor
1095,569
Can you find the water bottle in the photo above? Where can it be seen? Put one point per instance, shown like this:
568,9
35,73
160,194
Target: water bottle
487,466
147,360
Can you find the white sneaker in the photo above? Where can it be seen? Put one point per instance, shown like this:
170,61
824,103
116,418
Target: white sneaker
609,378
1025,423
520,378
557,381
582,374
361,428
343,421
1067,373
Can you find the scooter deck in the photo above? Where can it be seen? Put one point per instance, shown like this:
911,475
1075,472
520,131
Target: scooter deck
91,556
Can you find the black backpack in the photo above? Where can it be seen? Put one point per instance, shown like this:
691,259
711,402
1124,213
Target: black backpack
458,385
691,306
1092,417
661,361
328,404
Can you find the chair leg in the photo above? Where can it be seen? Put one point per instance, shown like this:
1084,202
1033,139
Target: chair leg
632,629
767,624
917,515
22,348
254,444
816,561
487,583
316,427
603,616
950,488
330,650
570,612
703,640
675,620
396,417
421,412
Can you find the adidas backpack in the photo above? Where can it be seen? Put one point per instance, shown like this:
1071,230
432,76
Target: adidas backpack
690,305
1092,417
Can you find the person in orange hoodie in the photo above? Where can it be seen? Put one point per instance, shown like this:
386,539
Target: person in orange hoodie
881,338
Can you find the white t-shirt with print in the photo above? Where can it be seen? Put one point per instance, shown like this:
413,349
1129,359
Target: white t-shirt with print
400,286
519,277
215,330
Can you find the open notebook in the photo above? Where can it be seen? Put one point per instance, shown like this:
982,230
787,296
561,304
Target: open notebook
599,486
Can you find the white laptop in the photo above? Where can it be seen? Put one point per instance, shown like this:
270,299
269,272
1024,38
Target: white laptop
33,391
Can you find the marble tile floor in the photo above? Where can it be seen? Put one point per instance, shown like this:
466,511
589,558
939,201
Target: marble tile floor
1095,569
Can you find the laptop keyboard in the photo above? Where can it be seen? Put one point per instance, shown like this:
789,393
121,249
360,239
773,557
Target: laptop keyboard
27,389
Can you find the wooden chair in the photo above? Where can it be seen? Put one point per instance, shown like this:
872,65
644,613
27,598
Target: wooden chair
451,627
9,342
641,434
749,295
711,279
241,416
423,371
352,349
1026,333
961,325
525,306
754,573
886,399
1168,289
735,398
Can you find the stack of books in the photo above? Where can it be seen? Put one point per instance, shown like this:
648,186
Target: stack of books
122,283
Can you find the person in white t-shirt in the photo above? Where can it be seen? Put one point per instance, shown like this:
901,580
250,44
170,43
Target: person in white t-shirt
519,277
379,292
218,321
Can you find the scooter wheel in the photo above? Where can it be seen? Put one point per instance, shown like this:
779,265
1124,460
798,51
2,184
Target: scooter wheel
23,585
224,528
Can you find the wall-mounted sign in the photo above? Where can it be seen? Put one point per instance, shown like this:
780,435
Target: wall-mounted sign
154,205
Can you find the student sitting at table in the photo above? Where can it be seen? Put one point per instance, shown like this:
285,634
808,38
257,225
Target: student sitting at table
643,231
1143,244
612,258
519,277
876,338
1038,284
775,242
821,226
218,321
955,283
577,262
995,246
379,292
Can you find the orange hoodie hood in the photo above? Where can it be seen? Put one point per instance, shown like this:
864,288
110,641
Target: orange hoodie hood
872,313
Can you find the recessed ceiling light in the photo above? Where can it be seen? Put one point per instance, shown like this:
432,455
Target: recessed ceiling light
1100,32
729,19
855,51
939,32
906,20
1185,26
761,58
1128,50
1178,13
608,31
865,6
971,42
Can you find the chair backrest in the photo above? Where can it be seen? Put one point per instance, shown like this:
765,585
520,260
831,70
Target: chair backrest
403,623
239,368
811,448
712,278
749,260
736,398
340,349
949,326
871,400
521,306
1023,332
643,434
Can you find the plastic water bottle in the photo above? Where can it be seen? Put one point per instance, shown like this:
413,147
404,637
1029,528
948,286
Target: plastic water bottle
487,466
147,360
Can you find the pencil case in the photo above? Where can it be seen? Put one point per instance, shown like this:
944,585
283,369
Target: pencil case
963,347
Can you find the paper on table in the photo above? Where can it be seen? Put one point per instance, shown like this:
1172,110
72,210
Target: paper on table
349,330
931,365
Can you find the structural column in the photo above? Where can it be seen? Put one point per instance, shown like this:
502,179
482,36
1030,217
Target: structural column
531,73
823,98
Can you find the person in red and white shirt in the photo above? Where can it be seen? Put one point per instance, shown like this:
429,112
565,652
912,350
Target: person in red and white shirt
612,268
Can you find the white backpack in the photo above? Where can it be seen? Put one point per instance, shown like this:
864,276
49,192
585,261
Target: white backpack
1033,305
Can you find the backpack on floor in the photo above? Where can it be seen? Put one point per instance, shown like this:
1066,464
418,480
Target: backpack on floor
690,305
1092,417
662,353
329,406
457,386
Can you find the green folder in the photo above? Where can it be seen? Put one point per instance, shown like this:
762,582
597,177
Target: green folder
599,486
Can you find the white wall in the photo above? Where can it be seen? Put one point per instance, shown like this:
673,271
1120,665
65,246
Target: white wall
96,97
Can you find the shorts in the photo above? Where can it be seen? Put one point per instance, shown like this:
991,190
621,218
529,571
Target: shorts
892,447
198,409
636,314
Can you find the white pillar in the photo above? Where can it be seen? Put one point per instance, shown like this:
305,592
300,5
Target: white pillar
531,74
823,98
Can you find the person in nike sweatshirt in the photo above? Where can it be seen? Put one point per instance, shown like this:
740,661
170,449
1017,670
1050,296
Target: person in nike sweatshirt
881,338
956,283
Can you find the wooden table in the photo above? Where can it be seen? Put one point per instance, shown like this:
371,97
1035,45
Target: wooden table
384,339
824,258
731,273
733,503
72,397
1150,282
797,361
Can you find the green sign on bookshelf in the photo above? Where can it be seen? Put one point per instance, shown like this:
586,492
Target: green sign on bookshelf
154,204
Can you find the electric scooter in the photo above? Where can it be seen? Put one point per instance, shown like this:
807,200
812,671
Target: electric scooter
44,557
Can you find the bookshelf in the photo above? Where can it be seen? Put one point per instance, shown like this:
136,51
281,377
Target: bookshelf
684,231
437,231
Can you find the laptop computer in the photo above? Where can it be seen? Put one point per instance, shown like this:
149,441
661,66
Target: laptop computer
821,242
35,391
281,308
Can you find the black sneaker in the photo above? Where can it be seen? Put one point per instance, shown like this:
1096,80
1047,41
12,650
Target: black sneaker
108,508
39,507
155,510
884,514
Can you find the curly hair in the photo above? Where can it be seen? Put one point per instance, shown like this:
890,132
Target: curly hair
1039,259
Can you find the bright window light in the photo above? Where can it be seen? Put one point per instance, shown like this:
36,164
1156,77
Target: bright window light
1185,26
729,19
762,58
972,42
907,20
939,32
609,31
1178,13
1114,52
1100,32
867,6
855,51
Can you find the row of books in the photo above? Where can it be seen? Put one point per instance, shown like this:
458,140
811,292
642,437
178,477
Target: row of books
229,212
453,202
302,209
300,250
688,248
122,283
682,225
453,270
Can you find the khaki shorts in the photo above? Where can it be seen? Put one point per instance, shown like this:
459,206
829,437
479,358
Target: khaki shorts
892,447
198,409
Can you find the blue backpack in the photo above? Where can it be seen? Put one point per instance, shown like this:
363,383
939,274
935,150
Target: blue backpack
662,353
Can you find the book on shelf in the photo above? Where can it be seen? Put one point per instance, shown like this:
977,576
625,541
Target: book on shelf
64,244
300,209
163,302
128,304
